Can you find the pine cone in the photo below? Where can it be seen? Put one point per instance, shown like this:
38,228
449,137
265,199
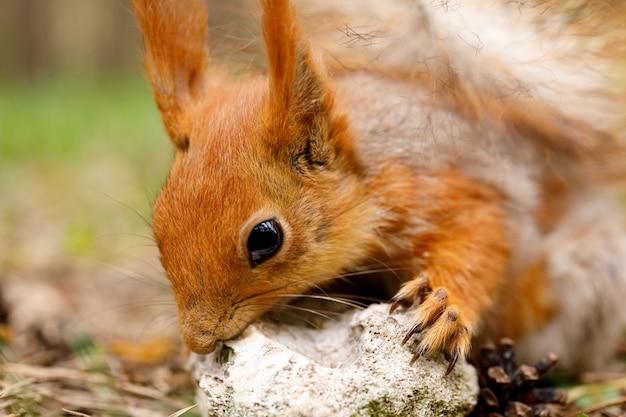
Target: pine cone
508,389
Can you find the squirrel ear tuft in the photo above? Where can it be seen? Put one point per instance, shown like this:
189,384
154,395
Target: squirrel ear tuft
300,97
293,75
176,59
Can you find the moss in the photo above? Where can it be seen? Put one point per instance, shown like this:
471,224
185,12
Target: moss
418,401
382,407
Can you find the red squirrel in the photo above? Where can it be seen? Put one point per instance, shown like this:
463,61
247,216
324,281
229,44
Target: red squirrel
466,149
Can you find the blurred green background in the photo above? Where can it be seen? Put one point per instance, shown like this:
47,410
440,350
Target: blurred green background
82,149
81,144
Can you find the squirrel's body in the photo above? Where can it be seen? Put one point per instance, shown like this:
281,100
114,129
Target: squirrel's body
475,180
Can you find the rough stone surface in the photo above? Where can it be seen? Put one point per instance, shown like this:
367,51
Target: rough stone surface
353,366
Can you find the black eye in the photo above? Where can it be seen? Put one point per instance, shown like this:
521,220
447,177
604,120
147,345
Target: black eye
264,241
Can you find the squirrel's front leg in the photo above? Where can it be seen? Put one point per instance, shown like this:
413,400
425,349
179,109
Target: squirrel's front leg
461,257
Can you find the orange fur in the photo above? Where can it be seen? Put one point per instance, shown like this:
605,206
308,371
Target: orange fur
529,304
291,148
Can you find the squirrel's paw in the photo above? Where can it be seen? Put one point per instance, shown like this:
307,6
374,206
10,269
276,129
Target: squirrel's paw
444,328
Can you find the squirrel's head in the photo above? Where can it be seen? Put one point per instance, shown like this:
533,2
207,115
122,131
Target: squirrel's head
264,198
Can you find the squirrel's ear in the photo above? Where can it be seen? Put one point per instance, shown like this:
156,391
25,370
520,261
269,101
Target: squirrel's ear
176,59
300,97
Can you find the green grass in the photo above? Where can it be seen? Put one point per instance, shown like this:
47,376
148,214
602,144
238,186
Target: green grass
81,155
56,121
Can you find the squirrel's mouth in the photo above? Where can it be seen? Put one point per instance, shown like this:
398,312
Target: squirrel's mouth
201,345
310,309
202,333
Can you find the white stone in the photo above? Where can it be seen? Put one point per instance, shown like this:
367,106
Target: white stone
353,366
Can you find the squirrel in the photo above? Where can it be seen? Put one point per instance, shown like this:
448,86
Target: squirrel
471,149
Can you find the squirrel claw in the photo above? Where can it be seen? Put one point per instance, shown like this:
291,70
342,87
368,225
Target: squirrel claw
452,361
429,313
416,356
444,328
399,302
414,330
414,290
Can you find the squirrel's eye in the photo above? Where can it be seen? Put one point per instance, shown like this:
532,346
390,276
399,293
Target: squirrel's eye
264,241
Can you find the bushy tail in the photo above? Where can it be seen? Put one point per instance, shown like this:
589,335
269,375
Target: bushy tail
555,72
